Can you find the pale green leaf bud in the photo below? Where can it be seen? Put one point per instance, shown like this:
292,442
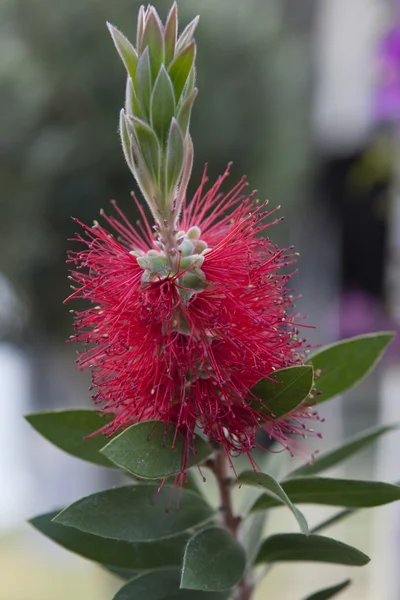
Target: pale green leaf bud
153,38
162,104
170,34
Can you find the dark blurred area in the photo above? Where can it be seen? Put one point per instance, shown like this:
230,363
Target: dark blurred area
304,97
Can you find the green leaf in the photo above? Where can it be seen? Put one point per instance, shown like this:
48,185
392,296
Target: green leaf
337,455
125,139
126,51
187,34
329,592
149,450
136,513
336,518
111,553
290,388
125,574
185,111
143,82
153,38
163,585
251,533
148,143
346,363
180,68
213,561
170,33
162,104
270,484
334,492
316,548
175,157
67,430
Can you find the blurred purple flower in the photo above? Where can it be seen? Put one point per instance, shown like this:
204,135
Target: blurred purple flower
387,95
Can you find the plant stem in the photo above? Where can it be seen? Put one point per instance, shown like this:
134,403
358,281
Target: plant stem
219,466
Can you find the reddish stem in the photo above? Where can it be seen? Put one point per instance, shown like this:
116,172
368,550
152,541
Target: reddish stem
219,466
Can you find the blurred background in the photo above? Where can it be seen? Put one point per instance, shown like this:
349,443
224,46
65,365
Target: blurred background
304,97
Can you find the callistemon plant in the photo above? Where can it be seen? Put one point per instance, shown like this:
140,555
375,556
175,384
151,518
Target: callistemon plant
194,347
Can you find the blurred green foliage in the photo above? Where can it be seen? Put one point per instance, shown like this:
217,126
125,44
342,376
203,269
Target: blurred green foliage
62,85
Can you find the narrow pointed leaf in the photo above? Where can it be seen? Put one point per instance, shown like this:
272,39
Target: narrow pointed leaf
330,592
163,585
153,38
131,102
315,548
67,429
269,483
187,34
213,561
336,518
140,29
136,513
337,455
162,104
149,145
334,492
126,51
189,85
290,388
346,363
143,82
185,111
175,157
137,556
126,140
170,34
180,68
145,449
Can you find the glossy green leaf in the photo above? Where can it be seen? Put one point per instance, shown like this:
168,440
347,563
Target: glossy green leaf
112,553
348,448
290,388
336,518
136,513
67,429
148,144
148,450
153,39
125,49
171,33
334,492
143,82
180,68
175,156
125,574
346,363
163,585
270,484
162,104
329,592
213,561
315,548
252,530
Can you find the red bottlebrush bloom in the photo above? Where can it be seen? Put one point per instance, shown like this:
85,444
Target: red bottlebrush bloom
184,344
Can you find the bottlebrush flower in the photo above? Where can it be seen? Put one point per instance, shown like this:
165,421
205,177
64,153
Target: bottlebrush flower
181,329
